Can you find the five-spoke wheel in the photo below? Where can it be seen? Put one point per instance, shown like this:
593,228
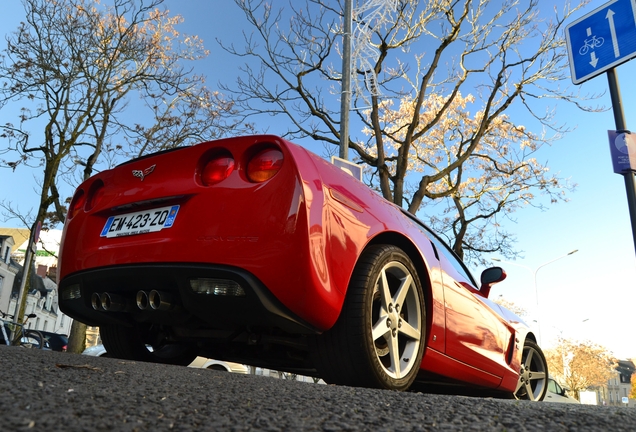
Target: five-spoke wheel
533,374
396,320
379,338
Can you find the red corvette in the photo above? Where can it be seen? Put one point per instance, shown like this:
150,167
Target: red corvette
255,250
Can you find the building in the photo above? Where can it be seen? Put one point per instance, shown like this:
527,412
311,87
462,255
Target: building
619,386
616,391
8,271
42,298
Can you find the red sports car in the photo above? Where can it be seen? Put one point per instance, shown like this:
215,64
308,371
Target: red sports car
257,251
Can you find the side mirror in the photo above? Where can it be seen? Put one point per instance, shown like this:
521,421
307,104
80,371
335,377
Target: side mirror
490,277
32,315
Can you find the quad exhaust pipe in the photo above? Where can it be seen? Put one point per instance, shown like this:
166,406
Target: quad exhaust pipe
154,300
108,302
142,300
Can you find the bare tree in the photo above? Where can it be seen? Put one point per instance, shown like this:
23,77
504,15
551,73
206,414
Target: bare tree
501,175
71,69
580,365
438,61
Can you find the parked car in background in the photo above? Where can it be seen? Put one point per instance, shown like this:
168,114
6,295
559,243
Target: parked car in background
96,351
206,363
556,393
57,342
255,250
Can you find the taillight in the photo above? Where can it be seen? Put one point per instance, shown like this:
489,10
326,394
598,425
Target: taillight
217,169
264,165
77,203
94,194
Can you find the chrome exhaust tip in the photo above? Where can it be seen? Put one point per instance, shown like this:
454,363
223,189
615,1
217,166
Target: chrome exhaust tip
142,300
96,302
160,300
112,302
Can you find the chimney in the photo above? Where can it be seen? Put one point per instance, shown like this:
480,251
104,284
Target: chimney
41,270
53,273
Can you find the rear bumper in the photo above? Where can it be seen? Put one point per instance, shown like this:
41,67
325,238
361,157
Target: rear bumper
258,307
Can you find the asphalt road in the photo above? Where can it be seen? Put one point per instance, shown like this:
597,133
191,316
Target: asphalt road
49,391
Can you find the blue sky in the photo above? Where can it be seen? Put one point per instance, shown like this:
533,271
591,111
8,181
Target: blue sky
588,295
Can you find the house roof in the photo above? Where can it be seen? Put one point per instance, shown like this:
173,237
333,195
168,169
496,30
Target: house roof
20,235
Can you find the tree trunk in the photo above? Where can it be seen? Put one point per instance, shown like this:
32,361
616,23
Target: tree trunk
77,338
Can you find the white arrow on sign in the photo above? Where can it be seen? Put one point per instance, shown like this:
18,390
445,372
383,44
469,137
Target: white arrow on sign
610,18
594,59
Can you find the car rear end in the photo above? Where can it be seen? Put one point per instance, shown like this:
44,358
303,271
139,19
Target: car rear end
213,236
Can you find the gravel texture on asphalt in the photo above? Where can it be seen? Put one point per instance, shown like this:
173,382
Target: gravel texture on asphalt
50,391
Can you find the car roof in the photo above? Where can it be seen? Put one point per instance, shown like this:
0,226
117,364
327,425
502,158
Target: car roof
46,333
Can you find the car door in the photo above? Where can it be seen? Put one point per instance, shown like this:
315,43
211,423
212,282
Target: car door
475,333
556,393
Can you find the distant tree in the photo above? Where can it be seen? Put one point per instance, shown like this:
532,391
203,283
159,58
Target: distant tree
76,70
580,365
632,393
438,90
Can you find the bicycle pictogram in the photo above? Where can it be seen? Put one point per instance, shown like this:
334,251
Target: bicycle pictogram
590,44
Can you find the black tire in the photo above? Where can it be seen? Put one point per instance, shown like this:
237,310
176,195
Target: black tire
144,345
351,352
34,339
533,376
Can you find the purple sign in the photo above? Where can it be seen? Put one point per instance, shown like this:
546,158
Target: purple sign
623,150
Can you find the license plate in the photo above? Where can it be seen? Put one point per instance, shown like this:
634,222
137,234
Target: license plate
141,222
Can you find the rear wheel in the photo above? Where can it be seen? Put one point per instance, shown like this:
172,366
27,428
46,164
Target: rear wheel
145,344
533,375
32,339
378,340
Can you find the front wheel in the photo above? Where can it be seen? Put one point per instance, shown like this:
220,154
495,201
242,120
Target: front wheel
378,340
145,344
533,375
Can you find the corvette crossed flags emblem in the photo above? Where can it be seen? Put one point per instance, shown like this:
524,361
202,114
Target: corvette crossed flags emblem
142,174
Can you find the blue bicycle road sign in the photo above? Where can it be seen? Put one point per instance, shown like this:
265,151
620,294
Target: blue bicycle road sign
602,39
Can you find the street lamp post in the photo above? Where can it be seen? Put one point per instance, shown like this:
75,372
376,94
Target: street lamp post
536,290
345,103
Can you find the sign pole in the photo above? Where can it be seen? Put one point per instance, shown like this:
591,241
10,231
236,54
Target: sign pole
619,119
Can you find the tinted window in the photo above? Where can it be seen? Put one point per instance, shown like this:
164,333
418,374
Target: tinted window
451,257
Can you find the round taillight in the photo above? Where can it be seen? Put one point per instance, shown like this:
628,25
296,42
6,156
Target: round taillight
94,194
77,203
264,165
217,169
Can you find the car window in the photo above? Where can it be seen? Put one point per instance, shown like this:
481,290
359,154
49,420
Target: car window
452,258
553,387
